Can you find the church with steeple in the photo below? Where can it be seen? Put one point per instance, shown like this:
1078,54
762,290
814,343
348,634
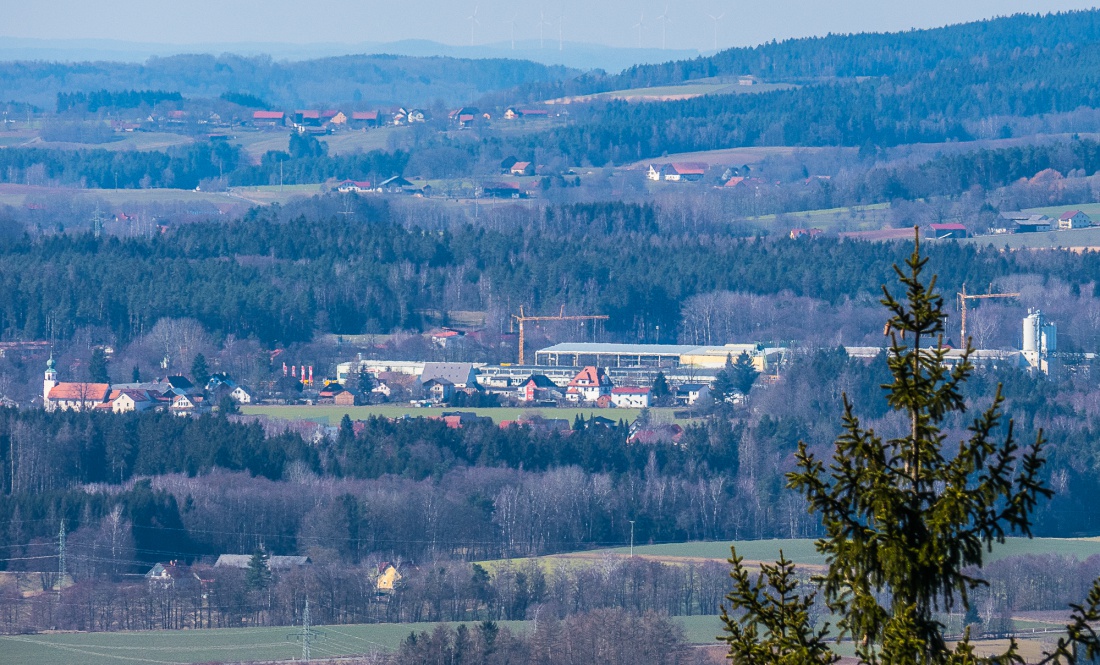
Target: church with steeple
58,395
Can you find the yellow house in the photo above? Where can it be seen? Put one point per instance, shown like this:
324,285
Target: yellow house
388,578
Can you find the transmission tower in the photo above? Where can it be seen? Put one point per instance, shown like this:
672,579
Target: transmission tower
97,221
306,635
61,556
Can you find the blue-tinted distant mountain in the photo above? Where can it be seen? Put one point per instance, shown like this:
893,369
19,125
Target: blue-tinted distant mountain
368,80
571,54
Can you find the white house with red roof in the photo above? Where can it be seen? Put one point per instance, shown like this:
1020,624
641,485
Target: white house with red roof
124,401
589,385
1074,219
630,397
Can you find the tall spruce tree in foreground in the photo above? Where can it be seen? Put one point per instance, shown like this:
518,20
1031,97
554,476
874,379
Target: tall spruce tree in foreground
907,520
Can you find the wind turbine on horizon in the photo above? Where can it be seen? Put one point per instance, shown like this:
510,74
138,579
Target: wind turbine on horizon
512,23
561,28
663,18
542,28
640,25
716,19
474,22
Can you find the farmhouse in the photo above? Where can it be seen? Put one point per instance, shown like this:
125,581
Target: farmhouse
522,168
364,119
268,118
1074,219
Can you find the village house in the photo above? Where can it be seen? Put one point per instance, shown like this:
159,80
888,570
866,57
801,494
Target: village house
538,388
677,172
125,401
1074,219
346,398
241,395
630,397
388,578
438,389
268,118
522,168
692,393
356,186
363,119
1024,222
589,385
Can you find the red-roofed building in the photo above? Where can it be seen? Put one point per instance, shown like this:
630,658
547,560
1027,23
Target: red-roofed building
268,118
364,118
685,171
354,186
1074,219
589,385
947,231
630,397
522,168
57,396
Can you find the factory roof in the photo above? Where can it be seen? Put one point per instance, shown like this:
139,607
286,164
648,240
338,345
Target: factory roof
625,349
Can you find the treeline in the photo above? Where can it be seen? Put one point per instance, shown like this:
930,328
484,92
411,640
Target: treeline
371,79
186,167
92,102
900,56
181,167
283,274
952,174
913,95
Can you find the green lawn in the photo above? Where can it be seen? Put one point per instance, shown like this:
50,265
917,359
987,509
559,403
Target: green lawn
237,644
331,415
1089,237
204,646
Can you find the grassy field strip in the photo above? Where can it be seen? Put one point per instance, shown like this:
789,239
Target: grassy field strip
800,550
331,415
184,647
1077,238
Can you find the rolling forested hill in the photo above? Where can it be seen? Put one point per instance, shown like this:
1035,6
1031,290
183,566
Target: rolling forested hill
379,79
900,56
977,80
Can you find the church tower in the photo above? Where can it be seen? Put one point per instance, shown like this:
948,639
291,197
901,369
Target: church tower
48,383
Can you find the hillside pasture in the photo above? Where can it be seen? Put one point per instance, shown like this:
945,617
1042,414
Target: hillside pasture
1076,239
799,550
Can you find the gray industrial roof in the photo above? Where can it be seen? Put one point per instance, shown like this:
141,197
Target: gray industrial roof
624,349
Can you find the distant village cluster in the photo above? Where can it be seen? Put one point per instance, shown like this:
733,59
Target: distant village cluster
175,394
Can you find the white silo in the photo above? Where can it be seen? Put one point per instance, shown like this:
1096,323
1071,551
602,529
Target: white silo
1031,331
1048,338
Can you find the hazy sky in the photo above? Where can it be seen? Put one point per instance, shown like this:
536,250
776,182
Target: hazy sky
610,22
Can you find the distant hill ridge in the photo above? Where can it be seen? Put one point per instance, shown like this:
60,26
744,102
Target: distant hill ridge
379,79
899,55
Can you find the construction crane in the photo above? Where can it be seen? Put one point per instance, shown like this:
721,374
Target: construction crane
964,296
522,318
